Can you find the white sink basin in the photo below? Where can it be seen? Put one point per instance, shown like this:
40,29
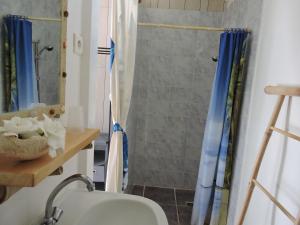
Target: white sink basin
103,208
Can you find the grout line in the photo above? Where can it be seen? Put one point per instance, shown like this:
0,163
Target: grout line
177,213
144,187
178,188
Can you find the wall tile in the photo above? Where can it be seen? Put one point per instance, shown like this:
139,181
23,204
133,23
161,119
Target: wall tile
163,163
159,64
190,180
161,79
185,109
173,78
180,94
166,179
192,159
183,80
179,64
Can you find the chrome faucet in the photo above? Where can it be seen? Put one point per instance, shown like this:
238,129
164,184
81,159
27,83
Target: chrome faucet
53,214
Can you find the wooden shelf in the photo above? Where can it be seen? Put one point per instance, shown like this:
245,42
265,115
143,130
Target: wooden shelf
30,173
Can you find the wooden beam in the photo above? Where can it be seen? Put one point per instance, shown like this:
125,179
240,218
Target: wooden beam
285,133
177,4
282,90
204,5
154,3
298,220
193,4
216,5
164,4
146,3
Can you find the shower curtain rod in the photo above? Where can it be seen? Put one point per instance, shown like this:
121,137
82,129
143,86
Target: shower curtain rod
220,29
35,18
43,18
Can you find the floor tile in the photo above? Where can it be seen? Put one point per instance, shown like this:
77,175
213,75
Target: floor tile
137,190
184,196
185,215
171,213
162,196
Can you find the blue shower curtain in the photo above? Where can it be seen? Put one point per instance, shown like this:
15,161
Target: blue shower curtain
20,81
213,185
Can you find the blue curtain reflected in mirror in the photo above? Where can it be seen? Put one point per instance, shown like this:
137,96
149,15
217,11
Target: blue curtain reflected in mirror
20,88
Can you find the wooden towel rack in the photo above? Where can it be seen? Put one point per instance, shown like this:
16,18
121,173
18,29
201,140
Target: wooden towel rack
282,92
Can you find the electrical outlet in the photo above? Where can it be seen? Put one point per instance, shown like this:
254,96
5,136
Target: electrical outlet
77,44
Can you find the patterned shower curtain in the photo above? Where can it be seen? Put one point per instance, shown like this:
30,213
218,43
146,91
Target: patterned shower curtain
19,77
214,178
123,39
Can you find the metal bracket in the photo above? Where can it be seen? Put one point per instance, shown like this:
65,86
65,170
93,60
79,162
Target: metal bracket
58,171
88,146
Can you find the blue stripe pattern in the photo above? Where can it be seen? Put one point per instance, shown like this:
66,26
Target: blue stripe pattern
112,53
117,128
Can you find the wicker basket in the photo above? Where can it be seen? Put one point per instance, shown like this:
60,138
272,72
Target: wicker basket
14,148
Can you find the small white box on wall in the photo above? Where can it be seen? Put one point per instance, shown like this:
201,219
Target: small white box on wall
77,44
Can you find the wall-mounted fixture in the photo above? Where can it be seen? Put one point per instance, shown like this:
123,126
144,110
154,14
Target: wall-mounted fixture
37,55
77,44
214,58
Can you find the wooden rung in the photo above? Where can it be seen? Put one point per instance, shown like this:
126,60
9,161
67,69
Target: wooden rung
282,90
285,133
298,221
274,200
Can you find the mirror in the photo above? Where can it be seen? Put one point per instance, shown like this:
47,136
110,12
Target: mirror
32,54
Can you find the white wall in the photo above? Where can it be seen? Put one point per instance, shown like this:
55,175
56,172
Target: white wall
25,207
94,72
102,69
277,62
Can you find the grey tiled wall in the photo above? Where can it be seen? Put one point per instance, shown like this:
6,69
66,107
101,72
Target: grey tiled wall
47,32
171,92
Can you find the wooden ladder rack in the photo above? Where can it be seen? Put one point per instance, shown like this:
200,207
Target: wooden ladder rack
282,92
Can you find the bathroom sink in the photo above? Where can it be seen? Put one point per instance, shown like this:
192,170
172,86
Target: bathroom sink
103,208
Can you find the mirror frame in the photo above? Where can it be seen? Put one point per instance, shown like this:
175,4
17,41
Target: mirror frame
58,109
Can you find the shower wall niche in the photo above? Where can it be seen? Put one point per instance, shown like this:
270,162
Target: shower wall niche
171,92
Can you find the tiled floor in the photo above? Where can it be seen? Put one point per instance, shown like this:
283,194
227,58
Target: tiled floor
175,202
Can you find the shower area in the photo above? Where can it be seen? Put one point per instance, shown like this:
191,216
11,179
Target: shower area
46,47
174,72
